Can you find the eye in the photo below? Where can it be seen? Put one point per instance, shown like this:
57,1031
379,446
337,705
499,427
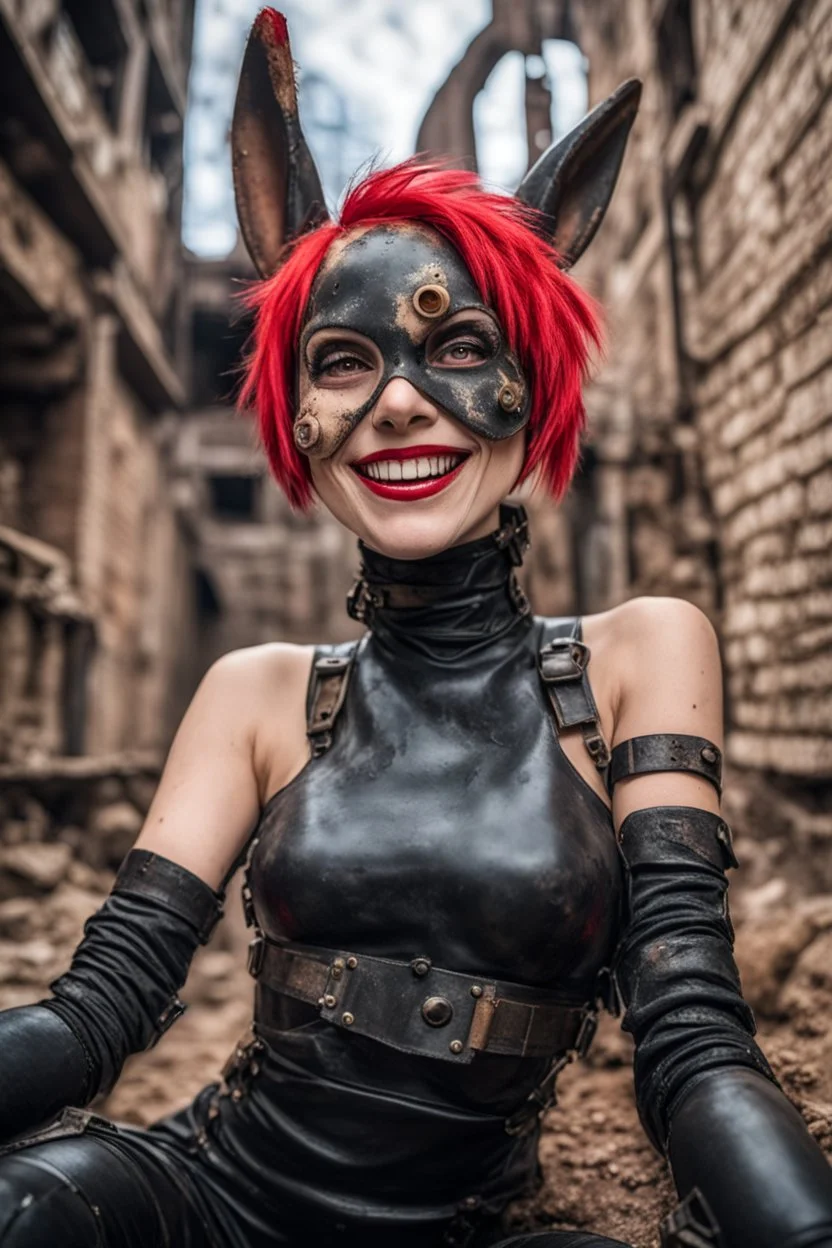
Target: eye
336,363
463,344
461,352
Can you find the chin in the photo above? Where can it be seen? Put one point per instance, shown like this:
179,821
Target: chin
414,537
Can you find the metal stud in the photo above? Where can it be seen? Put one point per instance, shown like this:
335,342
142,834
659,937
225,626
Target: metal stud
508,398
476,990
337,968
431,301
420,967
456,1046
708,754
437,1011
352,963
307,433
329,1001
347,1019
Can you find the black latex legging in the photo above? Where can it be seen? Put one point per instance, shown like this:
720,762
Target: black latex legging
93,1191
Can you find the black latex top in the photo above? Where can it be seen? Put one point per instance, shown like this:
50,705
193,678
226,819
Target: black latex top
444,821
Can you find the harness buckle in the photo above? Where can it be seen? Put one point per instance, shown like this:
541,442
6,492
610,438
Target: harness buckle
362,599
256,954
563,660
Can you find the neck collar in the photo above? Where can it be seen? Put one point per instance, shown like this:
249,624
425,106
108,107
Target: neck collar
451,605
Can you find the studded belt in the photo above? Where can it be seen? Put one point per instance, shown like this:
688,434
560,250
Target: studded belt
419,1008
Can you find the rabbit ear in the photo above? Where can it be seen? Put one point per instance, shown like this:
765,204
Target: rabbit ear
276,184
573,181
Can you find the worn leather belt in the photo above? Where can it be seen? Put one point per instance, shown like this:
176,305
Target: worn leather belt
417,1007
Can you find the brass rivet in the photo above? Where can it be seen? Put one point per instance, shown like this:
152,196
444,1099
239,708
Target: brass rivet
337,972
329,1001
321,1000
347,1019
508,398
431,301
352,963
307,433
456,1046
437,1011
476,991
420,966
708,754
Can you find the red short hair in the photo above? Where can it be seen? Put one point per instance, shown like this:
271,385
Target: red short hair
549,322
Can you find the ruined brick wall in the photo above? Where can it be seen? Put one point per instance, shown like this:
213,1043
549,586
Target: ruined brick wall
711,445
93,104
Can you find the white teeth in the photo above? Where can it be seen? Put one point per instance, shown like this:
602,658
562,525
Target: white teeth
421,468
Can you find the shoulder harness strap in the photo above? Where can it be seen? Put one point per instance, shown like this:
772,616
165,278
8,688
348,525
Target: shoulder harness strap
327,692
562,663
663,751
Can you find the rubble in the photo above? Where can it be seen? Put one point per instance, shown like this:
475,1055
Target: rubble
599,1171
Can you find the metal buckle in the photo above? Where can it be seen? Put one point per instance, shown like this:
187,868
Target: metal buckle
172,1011
691,1225
256,955
563,660
586,1032
514,537
518,596
361,598
597,747
541,1098
248,906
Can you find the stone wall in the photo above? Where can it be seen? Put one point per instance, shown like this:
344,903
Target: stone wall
711,445
96,588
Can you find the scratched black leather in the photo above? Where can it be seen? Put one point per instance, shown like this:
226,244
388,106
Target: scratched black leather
444,821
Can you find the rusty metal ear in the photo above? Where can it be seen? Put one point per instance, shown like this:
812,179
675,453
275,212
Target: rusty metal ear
573,181
276,184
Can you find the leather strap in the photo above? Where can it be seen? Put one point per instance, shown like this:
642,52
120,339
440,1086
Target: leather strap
418,1008
665,752
327,693
654,835
174,887
562,663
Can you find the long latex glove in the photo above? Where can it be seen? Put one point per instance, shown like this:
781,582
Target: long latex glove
741,1156
118,997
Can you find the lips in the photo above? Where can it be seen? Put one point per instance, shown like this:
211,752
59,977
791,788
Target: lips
412,472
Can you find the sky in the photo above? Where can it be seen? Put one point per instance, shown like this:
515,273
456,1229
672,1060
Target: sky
368,70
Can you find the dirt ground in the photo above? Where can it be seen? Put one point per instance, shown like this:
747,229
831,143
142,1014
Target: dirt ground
600,1172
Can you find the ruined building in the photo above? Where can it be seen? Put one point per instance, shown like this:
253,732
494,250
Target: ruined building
96,600
262,571
708,471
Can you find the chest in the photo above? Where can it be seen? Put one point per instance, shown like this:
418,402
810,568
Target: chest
444,821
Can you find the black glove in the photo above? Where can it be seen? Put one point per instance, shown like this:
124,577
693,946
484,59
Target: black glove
119,996
740,1153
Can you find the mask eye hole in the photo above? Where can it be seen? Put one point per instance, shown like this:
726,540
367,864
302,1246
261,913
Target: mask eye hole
431,301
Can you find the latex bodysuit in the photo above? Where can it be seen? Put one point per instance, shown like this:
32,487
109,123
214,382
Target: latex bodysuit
444,809
444,828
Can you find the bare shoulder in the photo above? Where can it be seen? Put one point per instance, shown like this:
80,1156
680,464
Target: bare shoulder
642,623
256,673
658,658
263,688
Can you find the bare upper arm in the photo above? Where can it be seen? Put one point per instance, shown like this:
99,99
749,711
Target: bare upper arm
242,735
669,680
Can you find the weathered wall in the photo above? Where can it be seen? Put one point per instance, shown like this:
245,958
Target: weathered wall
90,262
711,445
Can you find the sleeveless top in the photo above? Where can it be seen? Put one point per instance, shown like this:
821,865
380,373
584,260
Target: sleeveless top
446,822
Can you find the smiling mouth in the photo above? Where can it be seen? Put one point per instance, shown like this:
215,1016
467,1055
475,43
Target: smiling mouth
417,472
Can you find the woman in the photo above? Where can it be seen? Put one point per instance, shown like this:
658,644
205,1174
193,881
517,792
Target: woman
433,881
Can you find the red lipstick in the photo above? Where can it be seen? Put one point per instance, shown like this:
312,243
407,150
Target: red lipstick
410,490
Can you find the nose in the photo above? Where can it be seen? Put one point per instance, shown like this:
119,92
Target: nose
401,407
